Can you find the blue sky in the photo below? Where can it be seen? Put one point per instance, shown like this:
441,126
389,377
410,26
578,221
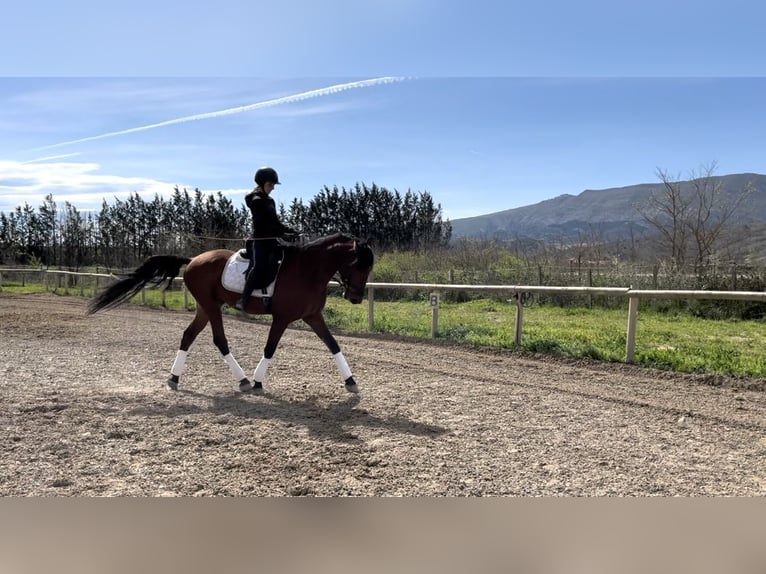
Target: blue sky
485,105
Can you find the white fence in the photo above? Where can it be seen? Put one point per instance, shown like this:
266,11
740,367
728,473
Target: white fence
514,292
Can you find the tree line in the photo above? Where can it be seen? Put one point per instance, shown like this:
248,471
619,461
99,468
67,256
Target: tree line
125,232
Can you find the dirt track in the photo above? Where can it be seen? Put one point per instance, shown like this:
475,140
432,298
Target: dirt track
84,412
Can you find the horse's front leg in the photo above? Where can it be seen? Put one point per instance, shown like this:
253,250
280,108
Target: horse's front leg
317,323
276,331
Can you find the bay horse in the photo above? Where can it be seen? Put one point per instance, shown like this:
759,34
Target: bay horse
300,292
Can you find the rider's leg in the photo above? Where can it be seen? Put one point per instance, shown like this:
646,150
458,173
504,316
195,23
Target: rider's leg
250,278
250,284
260,253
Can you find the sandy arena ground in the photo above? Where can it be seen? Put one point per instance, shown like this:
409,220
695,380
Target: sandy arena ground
84,412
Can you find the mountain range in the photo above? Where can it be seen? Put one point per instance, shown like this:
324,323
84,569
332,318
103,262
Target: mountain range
612,214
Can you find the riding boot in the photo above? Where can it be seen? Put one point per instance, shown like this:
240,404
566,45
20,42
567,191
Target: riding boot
249,286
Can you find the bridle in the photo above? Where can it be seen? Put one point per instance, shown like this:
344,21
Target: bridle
345,283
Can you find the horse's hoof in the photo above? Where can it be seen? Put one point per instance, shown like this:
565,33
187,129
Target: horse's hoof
172,382
245,385
351,385
258,388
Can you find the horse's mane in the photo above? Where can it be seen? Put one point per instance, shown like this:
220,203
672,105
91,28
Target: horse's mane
337,237
365,257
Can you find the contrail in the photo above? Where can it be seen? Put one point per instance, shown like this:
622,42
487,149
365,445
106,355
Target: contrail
50,157
238,110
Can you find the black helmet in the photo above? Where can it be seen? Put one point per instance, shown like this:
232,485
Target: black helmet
266,175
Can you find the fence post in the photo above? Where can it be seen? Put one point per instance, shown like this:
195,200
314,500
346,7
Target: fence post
630,343
370,309
434,314
1,281
519,318
143,296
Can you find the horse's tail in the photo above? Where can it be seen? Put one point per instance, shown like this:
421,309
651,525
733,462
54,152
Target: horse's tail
154,270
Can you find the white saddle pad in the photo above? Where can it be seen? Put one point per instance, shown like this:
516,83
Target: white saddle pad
233,277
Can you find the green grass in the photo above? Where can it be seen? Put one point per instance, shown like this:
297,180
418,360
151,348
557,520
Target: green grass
152,297
23,289
671,341
674,342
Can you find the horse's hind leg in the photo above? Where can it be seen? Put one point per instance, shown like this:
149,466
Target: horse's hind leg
220,341
191,332
317,323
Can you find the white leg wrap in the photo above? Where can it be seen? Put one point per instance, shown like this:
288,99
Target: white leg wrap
345,370
178,365
234,367
260,371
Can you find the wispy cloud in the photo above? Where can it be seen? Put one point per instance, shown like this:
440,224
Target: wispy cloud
51,157
82,184
330,90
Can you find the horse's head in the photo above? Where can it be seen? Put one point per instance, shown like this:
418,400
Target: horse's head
355,270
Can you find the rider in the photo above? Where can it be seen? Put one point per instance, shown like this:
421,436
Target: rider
266,230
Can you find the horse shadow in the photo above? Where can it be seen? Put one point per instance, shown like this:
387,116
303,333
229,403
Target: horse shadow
335,421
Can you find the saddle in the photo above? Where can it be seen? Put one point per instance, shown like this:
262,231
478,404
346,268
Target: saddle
238,266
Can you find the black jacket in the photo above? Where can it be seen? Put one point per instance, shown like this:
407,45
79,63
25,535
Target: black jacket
265,220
